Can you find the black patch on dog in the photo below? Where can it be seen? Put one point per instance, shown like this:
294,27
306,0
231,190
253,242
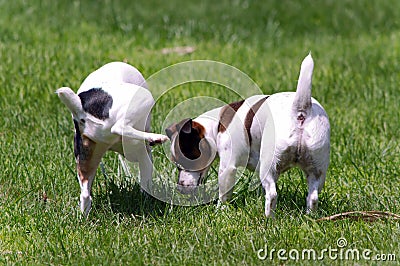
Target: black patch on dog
77,140
96,102
190,134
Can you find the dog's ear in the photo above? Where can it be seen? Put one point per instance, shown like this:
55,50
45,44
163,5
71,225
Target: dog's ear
208,152
170,130
187,126
71,100
184,126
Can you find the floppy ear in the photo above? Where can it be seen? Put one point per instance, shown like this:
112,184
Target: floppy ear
170,130
187,126
71,100
207,153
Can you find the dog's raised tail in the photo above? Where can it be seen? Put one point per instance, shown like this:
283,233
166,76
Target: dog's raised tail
302,100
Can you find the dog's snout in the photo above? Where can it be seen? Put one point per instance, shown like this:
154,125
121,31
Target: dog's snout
184,183
186,186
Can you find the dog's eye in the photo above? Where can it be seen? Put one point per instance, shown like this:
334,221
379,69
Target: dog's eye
83,121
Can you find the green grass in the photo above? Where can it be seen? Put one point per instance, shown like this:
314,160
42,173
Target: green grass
48,44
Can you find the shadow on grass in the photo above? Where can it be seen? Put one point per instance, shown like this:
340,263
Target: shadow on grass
292,193
125,197
129,199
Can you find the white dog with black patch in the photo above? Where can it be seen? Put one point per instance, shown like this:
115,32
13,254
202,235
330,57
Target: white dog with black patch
238,134
112,103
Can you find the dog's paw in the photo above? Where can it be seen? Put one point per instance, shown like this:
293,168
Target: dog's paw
157,139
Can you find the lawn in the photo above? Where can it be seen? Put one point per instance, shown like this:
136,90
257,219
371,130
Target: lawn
45,45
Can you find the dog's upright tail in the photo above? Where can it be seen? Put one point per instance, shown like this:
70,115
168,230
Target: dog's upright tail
71,100
302,100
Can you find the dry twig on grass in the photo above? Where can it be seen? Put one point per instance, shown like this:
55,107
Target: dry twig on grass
369,216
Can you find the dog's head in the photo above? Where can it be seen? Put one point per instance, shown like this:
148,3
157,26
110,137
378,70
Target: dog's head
191,152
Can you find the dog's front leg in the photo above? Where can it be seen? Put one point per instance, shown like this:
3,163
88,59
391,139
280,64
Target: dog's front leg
227,167
88,157
226,182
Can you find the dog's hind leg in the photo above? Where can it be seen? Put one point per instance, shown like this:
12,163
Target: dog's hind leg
271,196
315,181
268,177
315,169
146,170
138,151
130,132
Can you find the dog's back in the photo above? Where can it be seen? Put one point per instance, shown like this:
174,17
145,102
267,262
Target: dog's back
114,72
111,93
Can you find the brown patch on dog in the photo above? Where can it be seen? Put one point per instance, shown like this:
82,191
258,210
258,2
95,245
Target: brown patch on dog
85,163
248,121
226,115
200,129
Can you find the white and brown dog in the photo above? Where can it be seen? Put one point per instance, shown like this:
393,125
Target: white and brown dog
269,134
112,105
